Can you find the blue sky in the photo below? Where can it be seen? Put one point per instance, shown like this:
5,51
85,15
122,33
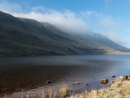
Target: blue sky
109,17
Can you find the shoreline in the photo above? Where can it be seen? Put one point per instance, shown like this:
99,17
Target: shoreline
118,88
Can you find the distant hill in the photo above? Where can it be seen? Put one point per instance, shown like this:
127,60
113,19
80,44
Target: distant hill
27,37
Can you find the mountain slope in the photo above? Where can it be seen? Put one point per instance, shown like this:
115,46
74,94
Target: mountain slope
109,43
27,37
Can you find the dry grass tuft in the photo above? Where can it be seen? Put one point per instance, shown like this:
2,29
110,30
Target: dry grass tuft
64,91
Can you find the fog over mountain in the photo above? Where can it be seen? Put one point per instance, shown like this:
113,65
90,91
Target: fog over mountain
27,37
66,21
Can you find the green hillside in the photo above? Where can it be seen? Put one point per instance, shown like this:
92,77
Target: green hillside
27,37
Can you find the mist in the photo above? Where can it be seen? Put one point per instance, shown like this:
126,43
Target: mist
66,21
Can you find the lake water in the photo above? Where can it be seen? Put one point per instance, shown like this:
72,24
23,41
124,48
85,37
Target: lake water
29,74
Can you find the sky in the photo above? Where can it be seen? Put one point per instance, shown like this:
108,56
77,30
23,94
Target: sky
108,17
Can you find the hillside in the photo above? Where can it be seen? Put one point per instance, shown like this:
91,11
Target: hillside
27,37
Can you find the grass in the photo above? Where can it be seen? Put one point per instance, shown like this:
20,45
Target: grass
120,88
63,93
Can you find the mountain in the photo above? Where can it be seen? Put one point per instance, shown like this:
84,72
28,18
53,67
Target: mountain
27,37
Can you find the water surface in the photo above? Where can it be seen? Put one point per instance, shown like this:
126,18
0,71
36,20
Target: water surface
29,74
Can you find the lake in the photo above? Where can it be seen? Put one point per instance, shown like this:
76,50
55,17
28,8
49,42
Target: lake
29,74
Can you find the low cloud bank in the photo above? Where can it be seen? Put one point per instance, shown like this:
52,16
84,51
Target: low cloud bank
67,20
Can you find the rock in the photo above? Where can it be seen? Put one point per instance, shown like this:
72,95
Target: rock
104,81
112,76
124,77
48,81
121,77
86,84
128,77
77,83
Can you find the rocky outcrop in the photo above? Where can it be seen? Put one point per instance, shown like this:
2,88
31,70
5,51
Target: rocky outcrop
104,81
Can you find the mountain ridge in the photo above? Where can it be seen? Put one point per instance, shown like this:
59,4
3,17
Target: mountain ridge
28,37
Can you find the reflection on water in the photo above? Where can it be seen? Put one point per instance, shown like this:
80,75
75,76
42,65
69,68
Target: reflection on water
31,73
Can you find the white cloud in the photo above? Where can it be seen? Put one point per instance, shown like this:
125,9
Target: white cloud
108,23
66,20
38,8
10,7
89,12
103,20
